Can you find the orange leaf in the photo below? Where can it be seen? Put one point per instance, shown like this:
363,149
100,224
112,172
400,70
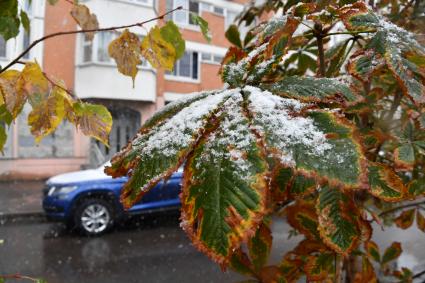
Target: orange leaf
405,219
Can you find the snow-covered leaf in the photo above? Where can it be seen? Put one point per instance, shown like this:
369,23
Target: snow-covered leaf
311,89
224,187
394,44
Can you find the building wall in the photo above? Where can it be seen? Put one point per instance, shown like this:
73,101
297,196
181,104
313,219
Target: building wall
97,80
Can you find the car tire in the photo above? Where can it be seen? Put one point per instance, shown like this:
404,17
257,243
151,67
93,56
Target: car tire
94,217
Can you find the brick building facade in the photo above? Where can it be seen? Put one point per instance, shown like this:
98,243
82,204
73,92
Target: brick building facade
87,70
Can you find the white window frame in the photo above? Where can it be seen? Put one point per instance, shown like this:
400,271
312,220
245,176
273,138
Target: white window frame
5,50
212,58
172,77
187,24
149,3
94,58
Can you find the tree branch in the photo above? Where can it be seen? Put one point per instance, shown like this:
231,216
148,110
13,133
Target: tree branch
318,33
401,207
34,43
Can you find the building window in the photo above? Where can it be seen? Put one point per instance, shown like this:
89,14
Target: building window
103,40
2,47
26,38
183,16
87,49
218,10
187,66
230,18
211,58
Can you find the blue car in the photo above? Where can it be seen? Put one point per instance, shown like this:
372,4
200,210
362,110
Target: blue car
89,199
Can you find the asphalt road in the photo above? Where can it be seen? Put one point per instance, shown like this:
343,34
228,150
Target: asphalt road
152,249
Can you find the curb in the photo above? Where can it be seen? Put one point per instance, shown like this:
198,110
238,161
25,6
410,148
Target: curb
22,217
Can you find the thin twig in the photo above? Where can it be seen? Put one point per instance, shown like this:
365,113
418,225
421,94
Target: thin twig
34,43
59,86
18,276
350,32
419,274
401,207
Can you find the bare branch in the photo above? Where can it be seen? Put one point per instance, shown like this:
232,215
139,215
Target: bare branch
34,43
416,204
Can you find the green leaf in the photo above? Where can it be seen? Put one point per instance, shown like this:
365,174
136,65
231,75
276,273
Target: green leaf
93,120
385,184
241,263
25,21
320,267
5,115
9,21
260,246
320,144
158,51
302,185
126,51
405,219
372,251
3,137
334,58
170,33
232,34
224,187
311,89
338,220
302,217
404,156
163,147
417,187
391,253
52,2
203,24
363,63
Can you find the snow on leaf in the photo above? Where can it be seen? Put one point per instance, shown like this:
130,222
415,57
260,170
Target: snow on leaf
320,145
155,153
311,89
85,19
158,51
224,187
394,44
126,52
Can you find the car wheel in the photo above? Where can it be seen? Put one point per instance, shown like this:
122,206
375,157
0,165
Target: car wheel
94,216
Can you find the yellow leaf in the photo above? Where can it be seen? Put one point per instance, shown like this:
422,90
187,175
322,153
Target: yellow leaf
46,115
85,19
92,120
32,83
126,52
158,51
13,100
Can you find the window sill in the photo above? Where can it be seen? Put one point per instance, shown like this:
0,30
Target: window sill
148,5
188,26
182,79
106,64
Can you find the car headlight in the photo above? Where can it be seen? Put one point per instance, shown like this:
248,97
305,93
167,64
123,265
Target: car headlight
61,190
